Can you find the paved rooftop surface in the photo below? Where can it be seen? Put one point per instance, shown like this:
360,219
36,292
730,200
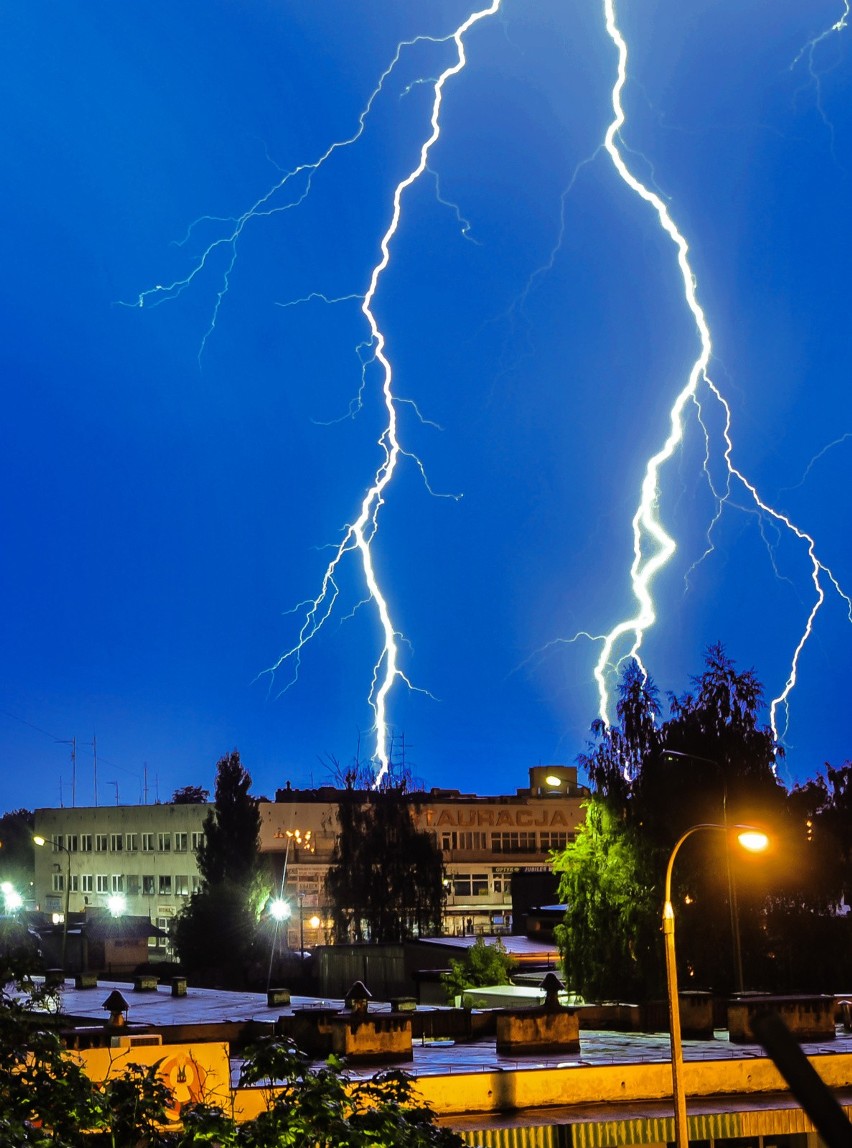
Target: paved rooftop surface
211,1006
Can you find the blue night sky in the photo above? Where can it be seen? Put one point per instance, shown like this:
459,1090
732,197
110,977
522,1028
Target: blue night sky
175,473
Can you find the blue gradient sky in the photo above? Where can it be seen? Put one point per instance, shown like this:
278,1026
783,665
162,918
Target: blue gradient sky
164,508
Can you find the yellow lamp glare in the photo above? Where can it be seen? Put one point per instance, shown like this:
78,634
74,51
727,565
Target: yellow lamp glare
116,904
279,910
314,922
552,779
753,840
39,840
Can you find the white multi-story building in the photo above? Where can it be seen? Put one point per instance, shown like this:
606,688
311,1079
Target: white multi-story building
147,852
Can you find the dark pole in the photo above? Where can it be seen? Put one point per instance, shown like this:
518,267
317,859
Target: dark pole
301,926
732,886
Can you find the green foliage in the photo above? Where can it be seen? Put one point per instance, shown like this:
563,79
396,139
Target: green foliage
47,1101
386,878
319,1105
609,939
651,780
217,935
483,964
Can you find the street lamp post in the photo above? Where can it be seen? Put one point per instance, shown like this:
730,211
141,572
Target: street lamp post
301,925
42,841
732,887
753,840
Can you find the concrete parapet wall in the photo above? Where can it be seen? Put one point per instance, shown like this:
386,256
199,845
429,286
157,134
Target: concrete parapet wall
540,1030
376,1037
460,1093
807,1017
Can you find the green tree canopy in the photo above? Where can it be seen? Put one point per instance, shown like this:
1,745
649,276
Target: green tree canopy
484,963
711,761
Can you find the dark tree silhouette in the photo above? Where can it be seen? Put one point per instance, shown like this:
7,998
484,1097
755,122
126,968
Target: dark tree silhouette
386,878
217,935
711,760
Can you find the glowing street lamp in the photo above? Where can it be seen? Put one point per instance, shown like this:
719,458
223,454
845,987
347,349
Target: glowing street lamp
12,899
117,904
754,841
279,910
41,842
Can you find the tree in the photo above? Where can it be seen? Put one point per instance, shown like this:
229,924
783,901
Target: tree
190,795
217,934
483,964
609,938
651,780
17,860
46,1099
386,880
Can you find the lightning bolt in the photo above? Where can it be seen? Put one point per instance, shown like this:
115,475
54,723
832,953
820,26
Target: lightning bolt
358,537
360,534
808,52
653,546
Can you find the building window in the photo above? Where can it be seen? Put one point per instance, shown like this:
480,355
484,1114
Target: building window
195,883
118,882
469,841
147,885
513,843
132,883
553,841
101,842
469,884
88,884
181,886
75,883
147,842
181,842
101,883
164,842
59,882
85,843
72,843
58,842
131,842
165,889
197,841
116,842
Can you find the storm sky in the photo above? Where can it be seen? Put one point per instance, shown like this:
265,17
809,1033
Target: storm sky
176,475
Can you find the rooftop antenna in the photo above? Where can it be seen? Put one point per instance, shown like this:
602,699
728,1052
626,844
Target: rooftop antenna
94,744
115,783
72,741
145,783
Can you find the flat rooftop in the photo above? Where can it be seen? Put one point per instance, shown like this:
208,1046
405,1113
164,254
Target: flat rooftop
431,1057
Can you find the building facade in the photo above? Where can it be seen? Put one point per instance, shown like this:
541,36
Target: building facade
147,854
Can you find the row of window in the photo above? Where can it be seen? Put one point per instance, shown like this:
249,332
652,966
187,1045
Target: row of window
521,841
128,842
163,885
477,884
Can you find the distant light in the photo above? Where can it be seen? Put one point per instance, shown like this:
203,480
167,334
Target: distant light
552,779
314,922
279,910
753,840
57,918
12,899
117,904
